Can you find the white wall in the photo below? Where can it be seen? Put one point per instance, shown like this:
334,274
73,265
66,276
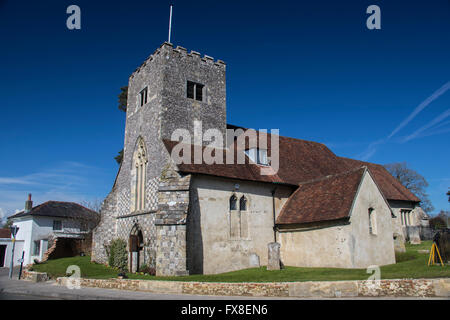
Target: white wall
371,249
210,241
25,225
317,245
17,251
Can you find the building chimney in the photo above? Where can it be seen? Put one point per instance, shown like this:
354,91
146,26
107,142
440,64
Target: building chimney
28,204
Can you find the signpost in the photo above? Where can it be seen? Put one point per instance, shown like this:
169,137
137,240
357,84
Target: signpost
14,230
21,264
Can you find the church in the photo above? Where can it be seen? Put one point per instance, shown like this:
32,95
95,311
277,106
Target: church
313,209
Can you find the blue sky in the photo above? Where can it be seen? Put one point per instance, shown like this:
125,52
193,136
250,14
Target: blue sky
311,69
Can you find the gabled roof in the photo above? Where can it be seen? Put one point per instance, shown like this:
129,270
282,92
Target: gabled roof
325,199
59,209
391,188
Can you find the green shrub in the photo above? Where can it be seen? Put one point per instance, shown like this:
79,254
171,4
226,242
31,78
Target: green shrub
118,255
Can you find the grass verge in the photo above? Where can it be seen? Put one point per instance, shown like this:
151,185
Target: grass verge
410,265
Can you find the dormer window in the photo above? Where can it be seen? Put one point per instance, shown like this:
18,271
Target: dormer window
258,156
143,97
195,91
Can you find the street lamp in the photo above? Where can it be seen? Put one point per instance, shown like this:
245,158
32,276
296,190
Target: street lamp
14,230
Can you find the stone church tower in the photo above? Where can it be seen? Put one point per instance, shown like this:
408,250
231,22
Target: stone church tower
148,204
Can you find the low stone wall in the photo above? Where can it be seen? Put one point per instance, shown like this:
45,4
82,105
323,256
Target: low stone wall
318,289
34,276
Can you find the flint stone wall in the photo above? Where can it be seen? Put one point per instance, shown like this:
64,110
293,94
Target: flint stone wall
324,289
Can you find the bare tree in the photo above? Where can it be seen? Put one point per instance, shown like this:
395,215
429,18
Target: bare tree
413,181
94,204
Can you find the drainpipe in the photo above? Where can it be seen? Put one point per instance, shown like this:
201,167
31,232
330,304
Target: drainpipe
274,215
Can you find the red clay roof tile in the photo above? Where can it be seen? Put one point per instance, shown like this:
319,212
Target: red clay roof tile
329,198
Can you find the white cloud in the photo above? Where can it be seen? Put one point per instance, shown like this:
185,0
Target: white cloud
66,181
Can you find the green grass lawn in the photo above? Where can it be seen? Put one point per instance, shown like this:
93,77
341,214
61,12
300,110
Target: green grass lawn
410,264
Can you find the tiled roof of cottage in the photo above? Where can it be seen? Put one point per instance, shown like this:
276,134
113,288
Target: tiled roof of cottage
59,209
329,198
391,188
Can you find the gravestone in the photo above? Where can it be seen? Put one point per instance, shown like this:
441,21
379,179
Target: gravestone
399,243
274,256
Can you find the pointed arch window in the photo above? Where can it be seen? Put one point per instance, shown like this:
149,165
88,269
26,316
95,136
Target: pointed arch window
233,202
243,204
140,164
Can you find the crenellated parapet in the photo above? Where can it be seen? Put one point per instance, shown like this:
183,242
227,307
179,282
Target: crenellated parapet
167,48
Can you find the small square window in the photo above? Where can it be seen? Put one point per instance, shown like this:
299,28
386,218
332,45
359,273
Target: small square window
195,91
57,225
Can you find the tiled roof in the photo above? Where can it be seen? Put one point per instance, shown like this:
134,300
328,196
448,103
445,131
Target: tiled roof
5,234
391,188
247,171
59,209
299,161
329,198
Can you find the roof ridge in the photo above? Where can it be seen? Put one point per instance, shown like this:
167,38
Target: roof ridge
333,175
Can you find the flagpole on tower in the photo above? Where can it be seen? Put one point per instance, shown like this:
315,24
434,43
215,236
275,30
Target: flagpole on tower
170,21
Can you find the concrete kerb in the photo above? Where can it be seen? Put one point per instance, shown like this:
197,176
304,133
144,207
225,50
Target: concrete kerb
311,289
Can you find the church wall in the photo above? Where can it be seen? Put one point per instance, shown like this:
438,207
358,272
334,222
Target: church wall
396,207
178,111
167,108
220,240
410,229
105,230
317,245
368,248
141,121
343,244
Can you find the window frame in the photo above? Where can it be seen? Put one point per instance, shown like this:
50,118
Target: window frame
36,247
233,200
245,203
143,97
255,155
372,222
196,87
61,225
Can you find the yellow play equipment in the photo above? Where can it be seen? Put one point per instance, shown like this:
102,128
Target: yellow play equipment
434,249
